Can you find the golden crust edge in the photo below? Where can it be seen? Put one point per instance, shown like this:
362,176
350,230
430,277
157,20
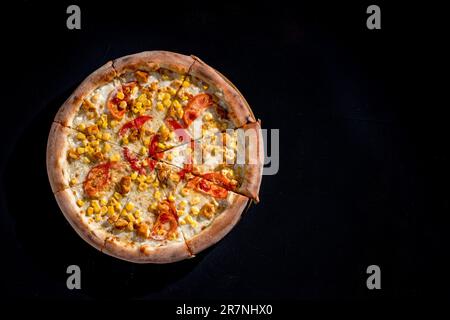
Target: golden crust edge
57,146
220,227
239,111
138,253
69,208
152,61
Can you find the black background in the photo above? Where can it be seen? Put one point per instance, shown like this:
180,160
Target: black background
364,159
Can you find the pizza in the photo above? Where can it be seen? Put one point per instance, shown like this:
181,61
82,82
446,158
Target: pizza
154,157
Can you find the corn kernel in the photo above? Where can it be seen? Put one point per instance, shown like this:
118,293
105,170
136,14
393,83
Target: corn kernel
159,106
98,217
137,214
81,127
171,198
141,178
195,211
186,84
207,116
106,136
149,179
130,226
113,123
129,206
120,95
125,140
110,210
153,206
80,202
167,102
106,147
90,211
74,181
103,210
182,204
86,160
144,151
142,97
185,191
81,136
142,186
134,175
122,104
182,222
115,157
191,221
161,145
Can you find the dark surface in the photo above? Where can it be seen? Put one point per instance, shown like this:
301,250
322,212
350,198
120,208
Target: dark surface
364,163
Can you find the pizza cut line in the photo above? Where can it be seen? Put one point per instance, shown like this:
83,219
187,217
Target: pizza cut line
154,157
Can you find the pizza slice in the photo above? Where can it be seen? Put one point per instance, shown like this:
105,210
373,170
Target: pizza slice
208,103
73,158
231,159
206,212
147,229
92,216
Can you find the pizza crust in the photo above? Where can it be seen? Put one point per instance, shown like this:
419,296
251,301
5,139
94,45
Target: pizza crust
67,202
144,253
253,170
57,146
239,112
99,77
221,225
152,61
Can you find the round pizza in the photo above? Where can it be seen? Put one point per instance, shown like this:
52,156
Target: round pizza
154,157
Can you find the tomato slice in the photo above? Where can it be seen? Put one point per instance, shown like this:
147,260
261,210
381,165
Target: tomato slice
207,187
153,147
166,223
126,127
140,121
135,123
113,107
195,106
181,133
151,163
97,179
133,161
187,168
113,100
